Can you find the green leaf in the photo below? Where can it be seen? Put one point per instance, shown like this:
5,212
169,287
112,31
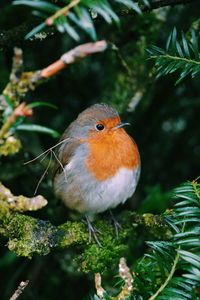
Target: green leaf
101,11
168,297
185,220
63,25
38,128
8,101
106,6
178,47
39,14
35,30
168,41
190,257
182,282
185,45
194,44
41,103
174,37
157,49
9,109
176,292
191,242
193,231
84,21
42,5
146,2
130,4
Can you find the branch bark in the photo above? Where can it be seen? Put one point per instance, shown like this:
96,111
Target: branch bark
19,290
26,81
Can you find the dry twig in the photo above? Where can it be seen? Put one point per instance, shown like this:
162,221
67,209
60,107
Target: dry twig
72,56
26,81
19,290
100,290
21,110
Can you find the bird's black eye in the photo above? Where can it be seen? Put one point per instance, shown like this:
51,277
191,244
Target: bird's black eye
99,127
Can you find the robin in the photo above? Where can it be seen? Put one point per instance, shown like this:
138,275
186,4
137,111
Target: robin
98,163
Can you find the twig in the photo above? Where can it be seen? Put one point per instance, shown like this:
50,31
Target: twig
61,165
72,56
169,277
30,80
17,65
21,110
44,173
19,290
124,273
63,11
47,151
100,290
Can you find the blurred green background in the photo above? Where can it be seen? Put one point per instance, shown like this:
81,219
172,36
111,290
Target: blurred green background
164,118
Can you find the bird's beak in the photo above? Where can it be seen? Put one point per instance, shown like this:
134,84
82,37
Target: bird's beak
120,125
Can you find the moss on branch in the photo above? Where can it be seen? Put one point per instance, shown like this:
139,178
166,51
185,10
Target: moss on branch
28,236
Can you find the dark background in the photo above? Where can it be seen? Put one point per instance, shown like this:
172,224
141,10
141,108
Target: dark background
165,125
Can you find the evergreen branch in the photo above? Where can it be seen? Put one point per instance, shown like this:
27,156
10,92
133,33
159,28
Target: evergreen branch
83,13
13,36
196,190
182,56
176,58
155,5
171,274
154,276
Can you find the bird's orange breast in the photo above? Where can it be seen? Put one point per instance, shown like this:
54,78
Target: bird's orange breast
108,153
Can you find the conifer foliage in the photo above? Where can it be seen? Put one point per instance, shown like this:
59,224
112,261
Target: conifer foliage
80,13
179,55
171,269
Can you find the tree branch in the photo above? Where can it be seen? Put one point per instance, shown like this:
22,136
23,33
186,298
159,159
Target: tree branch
154,5
20,203
25,81
29,236
19,290
15,36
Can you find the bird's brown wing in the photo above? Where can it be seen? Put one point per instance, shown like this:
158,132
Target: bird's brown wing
65,151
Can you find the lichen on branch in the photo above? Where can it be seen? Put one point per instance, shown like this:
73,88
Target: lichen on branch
21,203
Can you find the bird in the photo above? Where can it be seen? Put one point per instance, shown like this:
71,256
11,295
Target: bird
97,164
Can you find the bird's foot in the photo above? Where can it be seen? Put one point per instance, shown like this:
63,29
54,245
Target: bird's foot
92,231
116,224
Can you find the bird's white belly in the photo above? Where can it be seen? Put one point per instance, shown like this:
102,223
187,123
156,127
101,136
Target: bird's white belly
111,192
91,196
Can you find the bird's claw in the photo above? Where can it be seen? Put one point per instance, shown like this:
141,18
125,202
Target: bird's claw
92,231
116,224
